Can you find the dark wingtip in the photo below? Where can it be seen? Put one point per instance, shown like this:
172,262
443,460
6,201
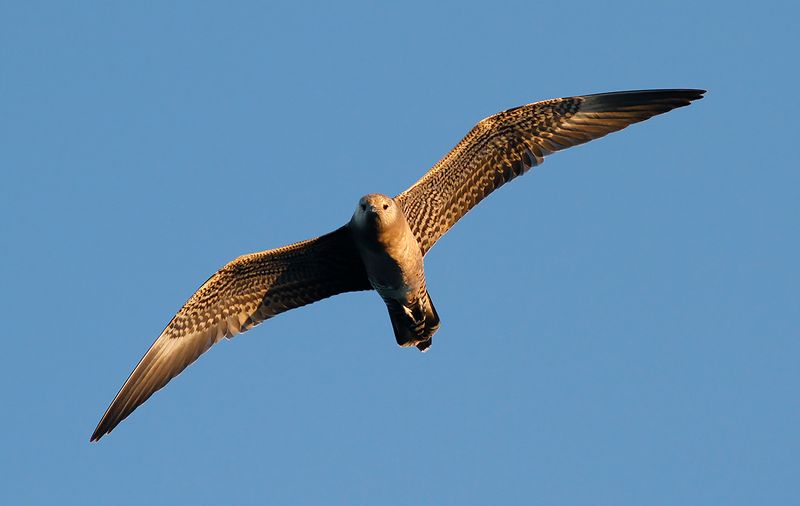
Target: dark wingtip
688,94
658,100
109,422
106,425
97,434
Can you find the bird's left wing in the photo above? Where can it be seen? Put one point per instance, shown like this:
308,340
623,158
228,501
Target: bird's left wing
241,295
506,145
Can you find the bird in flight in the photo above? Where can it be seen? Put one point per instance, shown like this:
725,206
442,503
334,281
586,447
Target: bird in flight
382,247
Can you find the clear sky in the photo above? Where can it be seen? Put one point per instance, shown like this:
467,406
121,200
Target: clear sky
619,326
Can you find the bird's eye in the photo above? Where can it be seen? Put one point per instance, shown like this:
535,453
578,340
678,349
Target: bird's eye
385,206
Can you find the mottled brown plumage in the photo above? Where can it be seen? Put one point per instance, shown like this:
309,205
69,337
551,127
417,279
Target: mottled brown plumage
383,245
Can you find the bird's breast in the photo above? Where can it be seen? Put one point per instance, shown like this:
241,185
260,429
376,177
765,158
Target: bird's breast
393,262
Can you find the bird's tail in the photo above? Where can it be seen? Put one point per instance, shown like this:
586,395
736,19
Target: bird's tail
414,324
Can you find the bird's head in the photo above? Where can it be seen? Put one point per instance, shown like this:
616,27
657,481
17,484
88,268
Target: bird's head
376,211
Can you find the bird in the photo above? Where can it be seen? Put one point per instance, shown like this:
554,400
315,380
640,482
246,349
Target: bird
383,245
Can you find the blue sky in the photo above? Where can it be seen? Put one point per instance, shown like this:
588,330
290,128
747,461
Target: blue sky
618,327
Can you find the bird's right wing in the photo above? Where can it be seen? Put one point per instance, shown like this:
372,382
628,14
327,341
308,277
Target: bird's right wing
506,145
241,295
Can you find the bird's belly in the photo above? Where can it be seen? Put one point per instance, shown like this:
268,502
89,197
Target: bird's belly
388,278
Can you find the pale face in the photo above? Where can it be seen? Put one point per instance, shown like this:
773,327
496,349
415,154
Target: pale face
376,210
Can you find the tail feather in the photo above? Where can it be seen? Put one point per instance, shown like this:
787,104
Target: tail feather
415,324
